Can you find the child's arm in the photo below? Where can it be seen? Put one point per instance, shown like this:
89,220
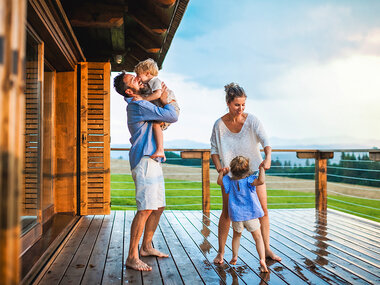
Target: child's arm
261,179
154,96
221,174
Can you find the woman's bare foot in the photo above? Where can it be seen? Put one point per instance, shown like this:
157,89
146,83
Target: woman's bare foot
270,254
263,266
152,252
233,260
138,265
219,258
159,154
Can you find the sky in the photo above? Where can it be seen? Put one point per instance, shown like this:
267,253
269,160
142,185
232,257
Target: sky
311,70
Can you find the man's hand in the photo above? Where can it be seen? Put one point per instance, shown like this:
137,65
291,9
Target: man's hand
164,94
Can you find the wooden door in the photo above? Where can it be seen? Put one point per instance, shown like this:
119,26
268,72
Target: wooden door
95,176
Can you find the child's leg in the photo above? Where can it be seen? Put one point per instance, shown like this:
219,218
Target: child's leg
260,249
159,137
235,246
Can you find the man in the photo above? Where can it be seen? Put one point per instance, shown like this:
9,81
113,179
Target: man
146,172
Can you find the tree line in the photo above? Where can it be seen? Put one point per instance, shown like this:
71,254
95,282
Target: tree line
347,170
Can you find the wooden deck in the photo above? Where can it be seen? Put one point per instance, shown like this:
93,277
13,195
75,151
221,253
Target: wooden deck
337,249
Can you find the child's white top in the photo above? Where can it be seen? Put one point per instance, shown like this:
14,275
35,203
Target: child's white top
154,84
247,142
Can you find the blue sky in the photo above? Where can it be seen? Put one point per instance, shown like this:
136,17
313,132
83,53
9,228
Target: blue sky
311,69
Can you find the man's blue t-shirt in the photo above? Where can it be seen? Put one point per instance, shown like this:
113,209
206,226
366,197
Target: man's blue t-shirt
243,203
140,116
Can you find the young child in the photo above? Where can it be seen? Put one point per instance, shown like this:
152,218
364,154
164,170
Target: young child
147,72
244,206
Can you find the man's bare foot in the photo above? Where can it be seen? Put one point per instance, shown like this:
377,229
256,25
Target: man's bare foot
271,255
138,265
152,252
263,266
219,258
233,260
159,154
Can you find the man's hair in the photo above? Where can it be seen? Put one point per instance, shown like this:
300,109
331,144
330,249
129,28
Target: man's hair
119,84
239,166
147,65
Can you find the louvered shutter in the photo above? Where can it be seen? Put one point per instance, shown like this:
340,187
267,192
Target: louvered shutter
95,176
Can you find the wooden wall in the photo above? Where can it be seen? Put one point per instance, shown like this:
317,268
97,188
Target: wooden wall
12,104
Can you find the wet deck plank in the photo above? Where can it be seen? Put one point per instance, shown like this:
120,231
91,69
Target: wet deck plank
332,249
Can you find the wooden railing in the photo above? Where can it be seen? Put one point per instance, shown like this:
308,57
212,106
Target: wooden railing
320,156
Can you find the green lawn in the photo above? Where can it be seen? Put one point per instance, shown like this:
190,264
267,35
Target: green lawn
185,195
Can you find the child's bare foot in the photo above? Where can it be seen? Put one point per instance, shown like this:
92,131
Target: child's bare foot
152,252
159,154
138,265
233,260
219,258
270,254
263,266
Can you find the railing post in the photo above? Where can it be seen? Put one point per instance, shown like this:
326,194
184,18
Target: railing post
320,176
206,181
320,182
204,155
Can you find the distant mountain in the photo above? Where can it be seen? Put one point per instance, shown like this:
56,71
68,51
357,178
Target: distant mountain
276,143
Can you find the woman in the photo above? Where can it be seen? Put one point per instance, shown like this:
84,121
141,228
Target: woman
238,133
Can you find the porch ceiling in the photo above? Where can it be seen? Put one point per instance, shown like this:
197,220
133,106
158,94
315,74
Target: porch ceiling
126,30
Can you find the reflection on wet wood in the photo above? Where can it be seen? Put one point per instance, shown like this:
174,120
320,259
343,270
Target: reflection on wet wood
316,248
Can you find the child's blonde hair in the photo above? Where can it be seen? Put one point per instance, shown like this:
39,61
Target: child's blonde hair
239,166
147,65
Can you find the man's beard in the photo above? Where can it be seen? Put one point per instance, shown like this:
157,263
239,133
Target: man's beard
145,90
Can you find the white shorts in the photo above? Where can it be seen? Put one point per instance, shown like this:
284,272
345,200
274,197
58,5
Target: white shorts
250,225
150,185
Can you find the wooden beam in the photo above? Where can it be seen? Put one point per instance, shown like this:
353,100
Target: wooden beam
96,15
191,154
314,154
150,22
206,181
164,3
320,183
375,156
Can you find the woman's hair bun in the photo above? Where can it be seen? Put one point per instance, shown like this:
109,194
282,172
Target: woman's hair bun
233,90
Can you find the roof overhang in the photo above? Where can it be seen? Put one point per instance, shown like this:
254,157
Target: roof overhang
124,32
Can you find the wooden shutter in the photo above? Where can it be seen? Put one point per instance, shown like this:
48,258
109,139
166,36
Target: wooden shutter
32,170
95,176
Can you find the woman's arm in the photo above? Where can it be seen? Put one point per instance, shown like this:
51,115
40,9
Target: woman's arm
216,160
266,163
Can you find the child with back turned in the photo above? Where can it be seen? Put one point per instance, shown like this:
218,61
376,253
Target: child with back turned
244,206
147,72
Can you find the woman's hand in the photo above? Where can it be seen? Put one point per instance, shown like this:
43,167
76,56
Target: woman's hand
223,170
266,163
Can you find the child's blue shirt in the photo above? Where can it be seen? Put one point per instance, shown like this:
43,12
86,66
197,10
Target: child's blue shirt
243,203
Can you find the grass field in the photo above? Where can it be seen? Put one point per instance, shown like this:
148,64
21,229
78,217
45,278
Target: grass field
187,195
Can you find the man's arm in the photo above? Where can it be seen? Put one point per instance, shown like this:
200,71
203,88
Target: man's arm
154,96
